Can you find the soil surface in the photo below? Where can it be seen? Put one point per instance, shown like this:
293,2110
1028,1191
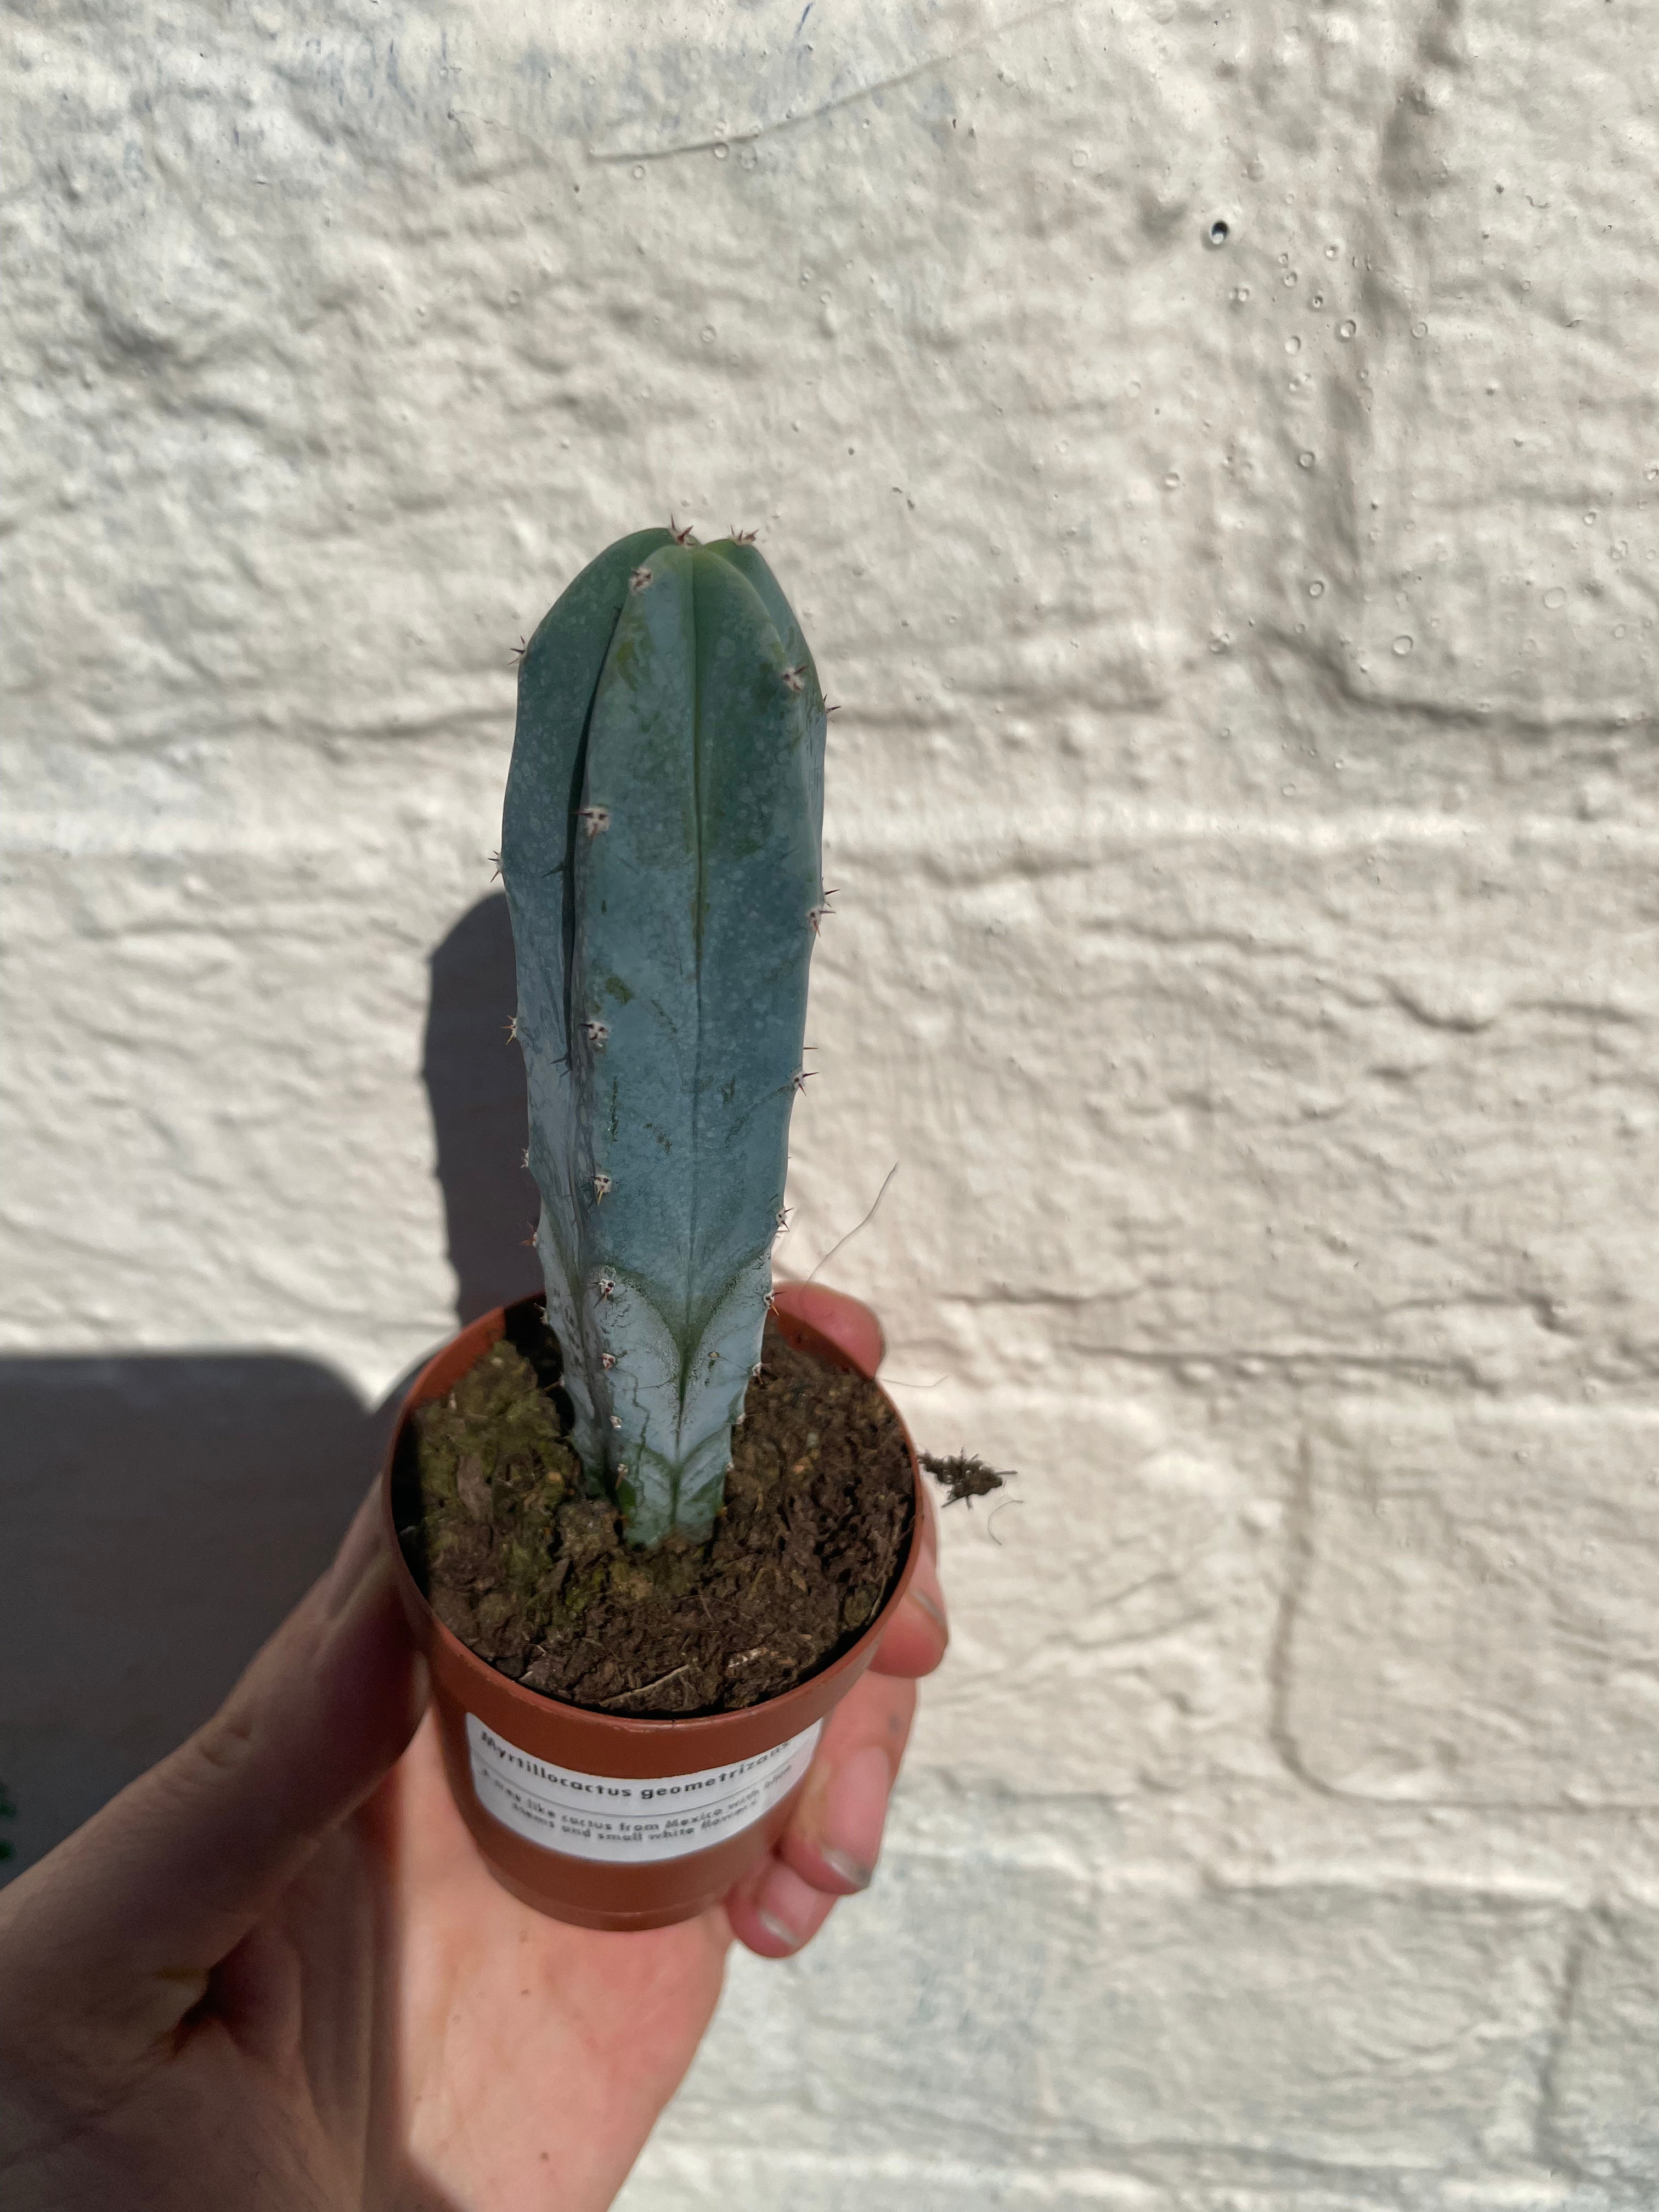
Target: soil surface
532,1572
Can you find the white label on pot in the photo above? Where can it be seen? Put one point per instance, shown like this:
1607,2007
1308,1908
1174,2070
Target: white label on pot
625,1821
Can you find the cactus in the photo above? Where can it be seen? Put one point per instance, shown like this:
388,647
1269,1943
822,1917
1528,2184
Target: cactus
660,848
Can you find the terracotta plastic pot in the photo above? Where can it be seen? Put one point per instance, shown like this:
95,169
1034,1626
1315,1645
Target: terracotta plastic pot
598,1819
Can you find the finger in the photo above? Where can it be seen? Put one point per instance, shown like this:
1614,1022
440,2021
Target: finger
774,1913
833,1836
833,1841
915,1640
930,1522
121,1925
848,1322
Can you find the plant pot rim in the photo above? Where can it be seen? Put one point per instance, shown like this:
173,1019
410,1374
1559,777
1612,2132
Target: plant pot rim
629,1736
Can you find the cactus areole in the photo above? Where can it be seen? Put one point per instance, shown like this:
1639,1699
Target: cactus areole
661,848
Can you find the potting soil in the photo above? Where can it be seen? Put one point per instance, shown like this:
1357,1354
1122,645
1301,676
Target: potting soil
533,1573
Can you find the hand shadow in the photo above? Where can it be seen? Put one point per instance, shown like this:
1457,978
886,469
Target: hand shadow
160,1513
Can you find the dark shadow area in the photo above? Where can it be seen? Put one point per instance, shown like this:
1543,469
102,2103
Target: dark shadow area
160,1513
475,1081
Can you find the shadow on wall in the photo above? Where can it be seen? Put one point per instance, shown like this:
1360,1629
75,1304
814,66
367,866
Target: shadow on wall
160,1513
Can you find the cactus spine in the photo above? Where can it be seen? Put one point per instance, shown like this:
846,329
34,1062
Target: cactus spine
660,849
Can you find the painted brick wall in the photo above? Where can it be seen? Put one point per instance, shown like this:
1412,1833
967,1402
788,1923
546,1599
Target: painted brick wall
1244,809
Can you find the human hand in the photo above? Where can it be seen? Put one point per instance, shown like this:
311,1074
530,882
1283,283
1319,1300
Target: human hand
274,1973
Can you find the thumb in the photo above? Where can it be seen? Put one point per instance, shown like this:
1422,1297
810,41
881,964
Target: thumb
122,1924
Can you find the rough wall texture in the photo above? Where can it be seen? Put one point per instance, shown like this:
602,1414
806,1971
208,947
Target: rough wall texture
1244,809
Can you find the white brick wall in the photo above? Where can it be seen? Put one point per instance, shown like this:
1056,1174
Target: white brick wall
1244,808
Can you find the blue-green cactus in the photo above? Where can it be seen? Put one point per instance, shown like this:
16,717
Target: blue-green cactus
660,846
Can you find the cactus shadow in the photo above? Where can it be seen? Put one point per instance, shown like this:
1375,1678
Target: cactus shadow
160,1513
475,1081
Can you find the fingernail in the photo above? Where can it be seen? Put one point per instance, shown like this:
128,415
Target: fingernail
852,1815
932,1612
849,1868
787,1907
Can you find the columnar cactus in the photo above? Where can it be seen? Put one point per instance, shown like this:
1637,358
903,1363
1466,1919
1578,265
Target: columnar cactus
660,848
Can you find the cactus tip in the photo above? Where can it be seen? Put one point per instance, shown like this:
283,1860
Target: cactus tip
496,869
594,819
680,537
795,679
602,1186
